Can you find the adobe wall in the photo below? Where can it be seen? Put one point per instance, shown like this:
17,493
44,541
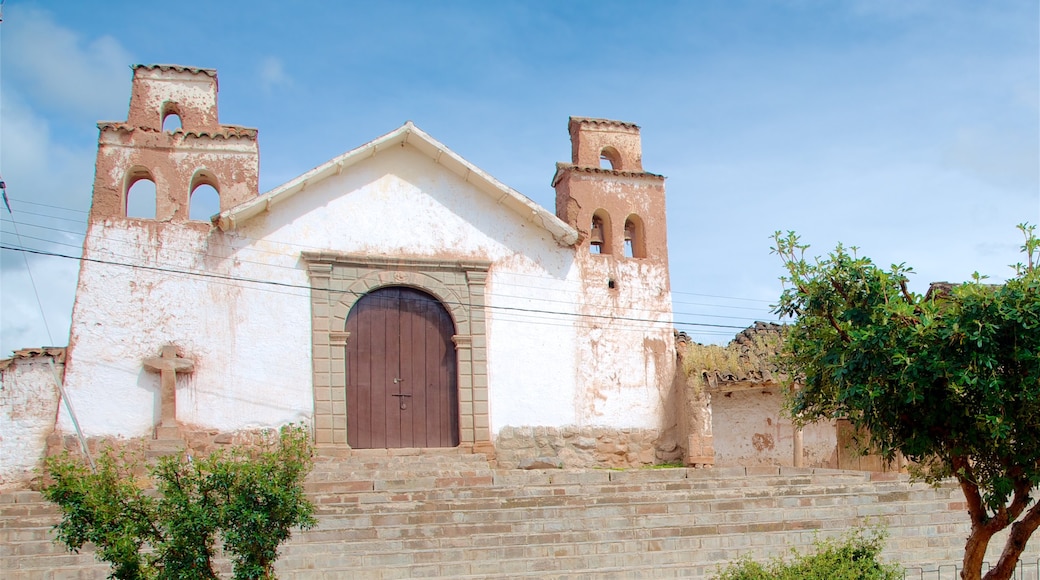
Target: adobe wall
751,428
251,342
625,343
28,405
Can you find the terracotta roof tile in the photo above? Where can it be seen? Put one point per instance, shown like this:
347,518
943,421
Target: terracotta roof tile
606,122
176,68
226,131
56,352
561,167
747,360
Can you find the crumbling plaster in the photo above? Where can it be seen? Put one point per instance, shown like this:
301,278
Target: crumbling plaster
626,345
570,339
251,341
200,151
751,428
28,406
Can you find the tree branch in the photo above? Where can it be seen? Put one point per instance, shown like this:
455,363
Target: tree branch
965,477
834,323
906,293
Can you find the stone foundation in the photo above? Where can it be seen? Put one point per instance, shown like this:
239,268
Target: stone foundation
573,447
195,442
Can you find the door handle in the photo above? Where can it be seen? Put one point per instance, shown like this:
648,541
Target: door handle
404,402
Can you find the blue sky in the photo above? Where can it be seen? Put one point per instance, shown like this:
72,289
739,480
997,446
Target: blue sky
909,128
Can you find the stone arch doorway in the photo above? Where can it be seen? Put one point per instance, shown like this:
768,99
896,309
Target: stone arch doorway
401,386
340,280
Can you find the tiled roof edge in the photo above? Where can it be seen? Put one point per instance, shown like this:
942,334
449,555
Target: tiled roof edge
561,166
607,122
227,131
176,68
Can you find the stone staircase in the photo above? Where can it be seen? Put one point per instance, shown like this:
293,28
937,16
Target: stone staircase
443,514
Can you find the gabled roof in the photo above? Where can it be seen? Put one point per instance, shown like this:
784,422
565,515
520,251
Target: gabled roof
408,133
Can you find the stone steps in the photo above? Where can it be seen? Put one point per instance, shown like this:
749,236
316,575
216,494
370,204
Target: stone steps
450,515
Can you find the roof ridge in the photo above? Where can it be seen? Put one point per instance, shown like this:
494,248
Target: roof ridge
441,154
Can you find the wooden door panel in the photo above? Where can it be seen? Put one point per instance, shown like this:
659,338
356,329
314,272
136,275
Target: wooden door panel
440,369
402,334
413,334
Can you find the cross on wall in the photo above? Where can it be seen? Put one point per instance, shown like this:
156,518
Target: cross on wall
168,364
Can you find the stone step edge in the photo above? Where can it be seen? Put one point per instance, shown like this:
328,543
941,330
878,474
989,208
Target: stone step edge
337,508
508,477
307,551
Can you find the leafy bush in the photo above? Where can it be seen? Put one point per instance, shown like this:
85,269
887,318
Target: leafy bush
853,556
251,499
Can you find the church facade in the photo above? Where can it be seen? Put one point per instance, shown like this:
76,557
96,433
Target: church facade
396,296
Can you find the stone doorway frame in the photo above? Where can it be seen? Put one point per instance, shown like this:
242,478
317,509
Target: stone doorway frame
338,280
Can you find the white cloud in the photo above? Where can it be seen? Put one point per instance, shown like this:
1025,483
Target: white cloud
38,170
272,74
23,324
61,69
52,76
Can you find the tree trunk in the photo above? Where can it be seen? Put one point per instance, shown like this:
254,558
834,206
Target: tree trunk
1015,545
982,526
975,552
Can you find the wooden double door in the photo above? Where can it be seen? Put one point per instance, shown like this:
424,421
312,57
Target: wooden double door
401,372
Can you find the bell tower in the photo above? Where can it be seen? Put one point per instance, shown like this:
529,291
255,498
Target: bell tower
173,138
618,208
626,348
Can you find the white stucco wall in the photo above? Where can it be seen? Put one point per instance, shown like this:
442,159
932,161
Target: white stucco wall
625,351
251,341
28,404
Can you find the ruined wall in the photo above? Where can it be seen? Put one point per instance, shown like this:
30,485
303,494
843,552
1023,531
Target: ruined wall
734,410
750,428
28,405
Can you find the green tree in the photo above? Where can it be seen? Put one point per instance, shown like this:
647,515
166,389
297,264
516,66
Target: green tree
251,499
949,379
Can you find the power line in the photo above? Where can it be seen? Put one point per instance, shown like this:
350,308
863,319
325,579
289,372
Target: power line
290,285
577,288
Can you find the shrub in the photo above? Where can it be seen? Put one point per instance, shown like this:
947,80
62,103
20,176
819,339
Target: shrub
251,499
853,556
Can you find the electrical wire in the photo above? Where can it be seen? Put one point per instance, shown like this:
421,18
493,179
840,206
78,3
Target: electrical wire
577,291
309,288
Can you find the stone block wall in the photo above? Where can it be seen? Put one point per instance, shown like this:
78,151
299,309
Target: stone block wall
574,447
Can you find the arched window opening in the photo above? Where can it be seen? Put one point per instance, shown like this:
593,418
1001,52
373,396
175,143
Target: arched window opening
171,117
599,233
204,203
140,198
205,196
635,244
171,123
609,158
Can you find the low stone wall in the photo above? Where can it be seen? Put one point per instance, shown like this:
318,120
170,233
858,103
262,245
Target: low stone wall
575,447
